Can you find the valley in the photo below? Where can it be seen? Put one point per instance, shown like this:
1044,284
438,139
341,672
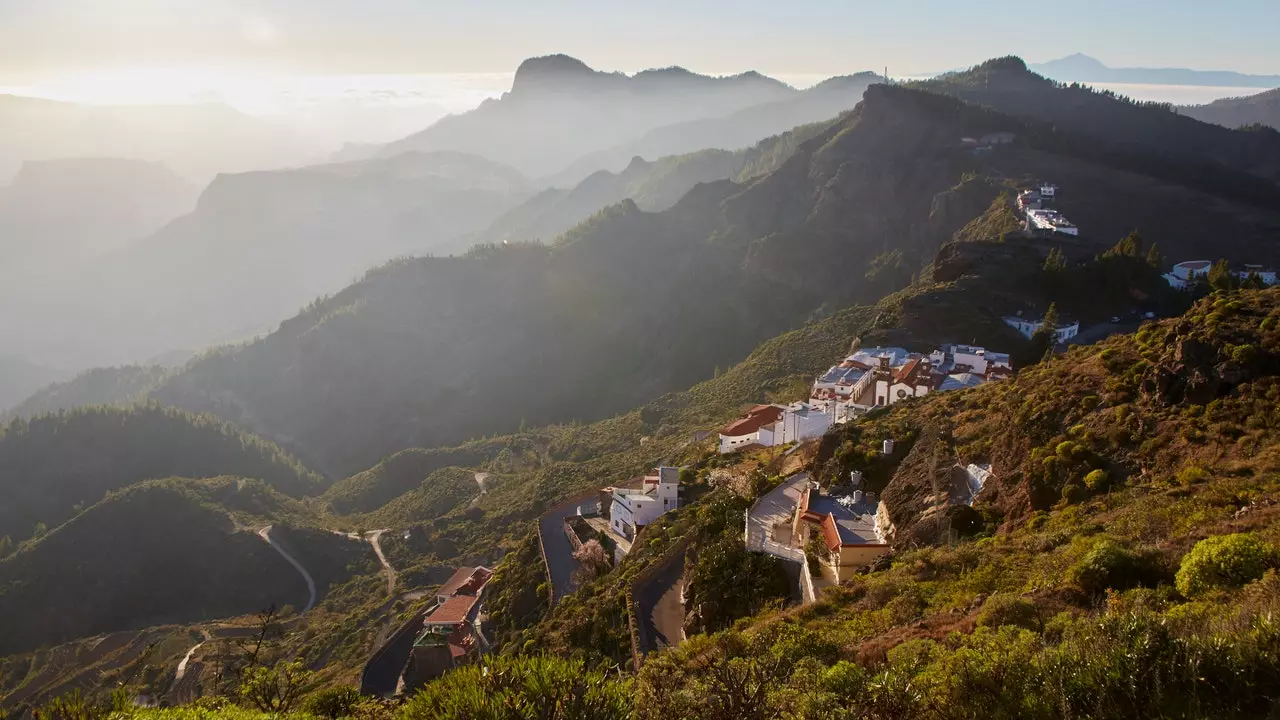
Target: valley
663,395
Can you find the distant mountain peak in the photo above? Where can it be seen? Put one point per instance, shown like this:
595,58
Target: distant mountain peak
550,69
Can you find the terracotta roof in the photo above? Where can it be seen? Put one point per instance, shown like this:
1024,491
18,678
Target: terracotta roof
831,533
454,610
455,581
476,582
906,370
756,418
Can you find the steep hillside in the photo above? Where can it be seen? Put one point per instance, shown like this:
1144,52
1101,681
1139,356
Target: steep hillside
630,304
167,551
559,109
1127,127
19,378
256,248
1260,109
1129,530
100,386
741,129
653,186
57,465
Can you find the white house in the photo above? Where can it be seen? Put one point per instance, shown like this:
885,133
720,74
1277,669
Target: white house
1028,328
1048,190
755,428
1186,274
633,509
1268,277
952,359
1051,221
769,425
802,421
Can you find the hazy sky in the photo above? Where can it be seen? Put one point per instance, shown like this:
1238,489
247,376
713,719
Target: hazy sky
40,37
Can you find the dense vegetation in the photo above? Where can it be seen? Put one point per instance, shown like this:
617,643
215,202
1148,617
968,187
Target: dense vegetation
164,551
100,386
56,465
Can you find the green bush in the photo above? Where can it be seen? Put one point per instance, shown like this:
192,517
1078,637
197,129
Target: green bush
511,688
1192,474
1097,480
1004,609
333,702
1072,494
1107,565
1224,561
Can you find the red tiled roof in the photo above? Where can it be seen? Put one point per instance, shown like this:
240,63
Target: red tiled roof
758,417
906,370
454,610
455,581
830,533
476,582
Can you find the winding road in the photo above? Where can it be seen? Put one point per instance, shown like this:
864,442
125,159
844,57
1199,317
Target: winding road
375,539
265,534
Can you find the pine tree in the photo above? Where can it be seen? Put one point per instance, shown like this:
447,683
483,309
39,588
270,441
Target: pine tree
1153,257
1220,277
1056,262
6,546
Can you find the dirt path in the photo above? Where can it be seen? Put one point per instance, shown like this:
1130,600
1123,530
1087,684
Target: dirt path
265,534
481,477
182,666
375,539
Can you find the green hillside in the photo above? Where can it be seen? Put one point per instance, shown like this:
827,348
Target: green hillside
629,305
160,552
56,465
99,386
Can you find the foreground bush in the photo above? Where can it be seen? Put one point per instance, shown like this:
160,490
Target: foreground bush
506,688
1224,561
1126,665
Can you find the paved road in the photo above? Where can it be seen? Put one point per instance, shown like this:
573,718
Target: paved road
265,534
661,608
560,560
375,539
776,509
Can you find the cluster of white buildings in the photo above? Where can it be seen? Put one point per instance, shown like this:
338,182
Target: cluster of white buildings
1028,328
1186,274
1031,204
881,376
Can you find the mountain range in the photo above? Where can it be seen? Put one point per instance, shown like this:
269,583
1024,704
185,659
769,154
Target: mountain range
570,329
1260,109
196,141
1082,68
454,398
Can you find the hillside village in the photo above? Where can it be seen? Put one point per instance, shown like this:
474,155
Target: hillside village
823,535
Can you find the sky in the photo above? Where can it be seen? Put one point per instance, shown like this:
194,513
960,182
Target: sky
43,38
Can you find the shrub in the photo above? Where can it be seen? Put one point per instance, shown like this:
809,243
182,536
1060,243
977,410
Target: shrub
1003,609
1107,566
333,702
1224,561
509,687
1192,474
1097,480
1072,494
